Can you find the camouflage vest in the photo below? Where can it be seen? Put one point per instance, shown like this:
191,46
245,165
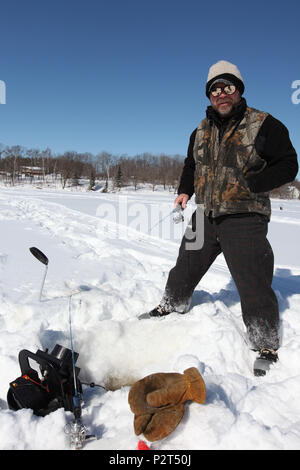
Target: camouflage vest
221,167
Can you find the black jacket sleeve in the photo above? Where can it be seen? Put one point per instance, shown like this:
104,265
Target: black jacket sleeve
186,185
273,145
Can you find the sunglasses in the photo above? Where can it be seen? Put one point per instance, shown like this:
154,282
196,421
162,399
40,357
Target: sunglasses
228,89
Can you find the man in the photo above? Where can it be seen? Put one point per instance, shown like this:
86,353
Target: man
235,157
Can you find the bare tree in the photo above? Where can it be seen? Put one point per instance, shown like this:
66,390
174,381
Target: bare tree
13,154
45,157
65,167
105,161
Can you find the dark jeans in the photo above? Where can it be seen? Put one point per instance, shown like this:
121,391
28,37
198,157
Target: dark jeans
249,257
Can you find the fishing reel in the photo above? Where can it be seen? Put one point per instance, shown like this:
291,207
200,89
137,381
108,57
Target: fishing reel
178,214
56,387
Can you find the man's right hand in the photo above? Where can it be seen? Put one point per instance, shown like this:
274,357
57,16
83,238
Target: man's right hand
182,199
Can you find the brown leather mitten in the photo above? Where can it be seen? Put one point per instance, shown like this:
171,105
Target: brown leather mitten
178,388
159,424
157,401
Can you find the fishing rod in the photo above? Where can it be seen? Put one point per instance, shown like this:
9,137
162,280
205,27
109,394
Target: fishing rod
76,430
178,217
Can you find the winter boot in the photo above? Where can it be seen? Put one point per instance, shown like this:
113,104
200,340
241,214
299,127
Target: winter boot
264,360
158,311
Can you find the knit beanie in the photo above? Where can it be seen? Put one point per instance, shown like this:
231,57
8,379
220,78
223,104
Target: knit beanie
226,71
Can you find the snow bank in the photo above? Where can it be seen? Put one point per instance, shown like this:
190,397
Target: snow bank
100,252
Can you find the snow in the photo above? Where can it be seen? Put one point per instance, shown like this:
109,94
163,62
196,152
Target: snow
101,254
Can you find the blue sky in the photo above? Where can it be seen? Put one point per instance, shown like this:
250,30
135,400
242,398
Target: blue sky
129,76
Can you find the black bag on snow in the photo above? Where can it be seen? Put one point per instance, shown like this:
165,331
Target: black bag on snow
54,390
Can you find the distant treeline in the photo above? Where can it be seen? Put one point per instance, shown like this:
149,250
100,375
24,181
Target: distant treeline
19,164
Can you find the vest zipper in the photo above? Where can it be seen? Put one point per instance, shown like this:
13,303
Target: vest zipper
215,167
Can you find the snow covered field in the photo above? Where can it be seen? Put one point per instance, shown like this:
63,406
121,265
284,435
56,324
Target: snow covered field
99,250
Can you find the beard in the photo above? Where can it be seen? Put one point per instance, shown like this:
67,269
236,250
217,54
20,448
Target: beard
224,109
229,106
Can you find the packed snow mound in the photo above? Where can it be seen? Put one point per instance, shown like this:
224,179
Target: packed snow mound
111,257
